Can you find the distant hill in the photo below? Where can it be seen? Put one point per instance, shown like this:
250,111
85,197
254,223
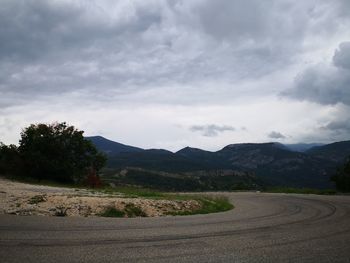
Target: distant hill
236,166
278,166
253,155
155,160
302,147
206,159
110,147
336,152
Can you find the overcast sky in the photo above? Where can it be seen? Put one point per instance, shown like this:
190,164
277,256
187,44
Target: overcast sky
170,74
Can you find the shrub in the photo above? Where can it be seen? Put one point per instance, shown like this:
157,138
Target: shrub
93,180
134,211
61,211
112,212
37,199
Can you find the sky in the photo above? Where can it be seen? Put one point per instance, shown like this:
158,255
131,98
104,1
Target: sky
177,73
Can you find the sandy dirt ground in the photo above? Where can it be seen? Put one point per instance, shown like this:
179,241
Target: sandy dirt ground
26,199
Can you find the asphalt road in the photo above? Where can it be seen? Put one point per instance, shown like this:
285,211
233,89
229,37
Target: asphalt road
261,228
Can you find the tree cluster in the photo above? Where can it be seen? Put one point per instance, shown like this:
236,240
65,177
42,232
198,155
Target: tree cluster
342,177
55,152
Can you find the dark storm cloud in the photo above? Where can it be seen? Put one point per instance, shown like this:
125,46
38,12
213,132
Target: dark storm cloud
276,135
34,28
53,47
211,130
50,47
325,84
105,50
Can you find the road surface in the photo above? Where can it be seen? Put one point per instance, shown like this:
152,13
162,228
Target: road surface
261,228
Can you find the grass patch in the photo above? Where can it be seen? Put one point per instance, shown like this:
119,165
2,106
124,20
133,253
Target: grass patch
130,210
289,190
112,212
208,205
133,192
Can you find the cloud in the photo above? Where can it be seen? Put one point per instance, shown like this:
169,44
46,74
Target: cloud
341,57
338,127
276,135
120,47
325,84
126,55
36,29
245,21
211,130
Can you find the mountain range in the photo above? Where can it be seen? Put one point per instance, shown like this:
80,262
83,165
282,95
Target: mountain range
236,166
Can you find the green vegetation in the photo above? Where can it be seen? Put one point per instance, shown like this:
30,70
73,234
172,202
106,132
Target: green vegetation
208,180
37,199
130,210
112,212
289,190
342,177
208,205
55,152
10,160
133,192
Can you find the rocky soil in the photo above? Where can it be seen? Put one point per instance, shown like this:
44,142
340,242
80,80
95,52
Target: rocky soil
26,199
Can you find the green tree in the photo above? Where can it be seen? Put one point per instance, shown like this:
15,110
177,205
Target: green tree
10,162
57,152
342,177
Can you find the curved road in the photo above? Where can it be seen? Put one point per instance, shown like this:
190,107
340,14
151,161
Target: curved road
261,228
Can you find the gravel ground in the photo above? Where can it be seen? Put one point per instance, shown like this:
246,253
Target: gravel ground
26,199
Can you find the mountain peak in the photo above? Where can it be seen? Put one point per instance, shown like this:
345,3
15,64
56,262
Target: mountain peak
111,147
188,150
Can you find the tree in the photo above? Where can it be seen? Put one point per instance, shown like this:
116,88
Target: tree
57,152
342,177
10,162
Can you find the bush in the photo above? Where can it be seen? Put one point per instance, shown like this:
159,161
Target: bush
112,212
134,211
37,199
130,210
